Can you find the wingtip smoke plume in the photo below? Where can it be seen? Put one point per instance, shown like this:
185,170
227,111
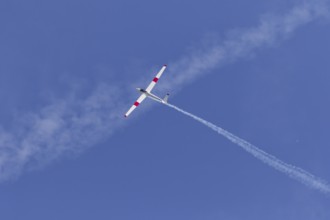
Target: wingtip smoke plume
292,171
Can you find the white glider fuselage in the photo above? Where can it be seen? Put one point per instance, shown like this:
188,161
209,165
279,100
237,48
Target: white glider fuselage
151,96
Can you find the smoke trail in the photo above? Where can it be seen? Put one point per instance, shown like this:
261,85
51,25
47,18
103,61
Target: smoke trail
290,170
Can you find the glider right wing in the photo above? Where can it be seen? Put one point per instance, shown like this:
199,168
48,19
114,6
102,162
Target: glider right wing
136,104
155,80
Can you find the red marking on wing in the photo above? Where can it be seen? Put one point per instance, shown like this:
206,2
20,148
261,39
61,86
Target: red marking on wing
136,104
155,80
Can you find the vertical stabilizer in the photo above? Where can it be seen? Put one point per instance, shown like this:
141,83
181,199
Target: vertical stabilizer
166,98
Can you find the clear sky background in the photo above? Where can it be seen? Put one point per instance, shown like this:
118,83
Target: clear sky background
68,72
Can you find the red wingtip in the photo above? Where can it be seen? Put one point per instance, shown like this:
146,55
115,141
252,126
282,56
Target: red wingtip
125,116
165,64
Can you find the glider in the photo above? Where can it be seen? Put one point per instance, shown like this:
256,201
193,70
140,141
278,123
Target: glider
147,93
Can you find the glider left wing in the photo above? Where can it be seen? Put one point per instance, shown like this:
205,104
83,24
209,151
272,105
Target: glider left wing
136,104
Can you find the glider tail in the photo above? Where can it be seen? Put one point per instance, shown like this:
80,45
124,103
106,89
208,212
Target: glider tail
165,99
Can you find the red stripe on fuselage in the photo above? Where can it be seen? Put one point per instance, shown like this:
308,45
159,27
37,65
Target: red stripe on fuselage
155,79
136,104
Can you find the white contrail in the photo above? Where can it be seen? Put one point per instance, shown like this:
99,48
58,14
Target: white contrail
67,126
271,30
292,171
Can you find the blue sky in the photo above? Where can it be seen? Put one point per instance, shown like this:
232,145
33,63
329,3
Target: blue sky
68,73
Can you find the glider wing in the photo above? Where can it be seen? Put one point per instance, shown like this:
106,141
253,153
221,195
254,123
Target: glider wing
136,104
155,80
